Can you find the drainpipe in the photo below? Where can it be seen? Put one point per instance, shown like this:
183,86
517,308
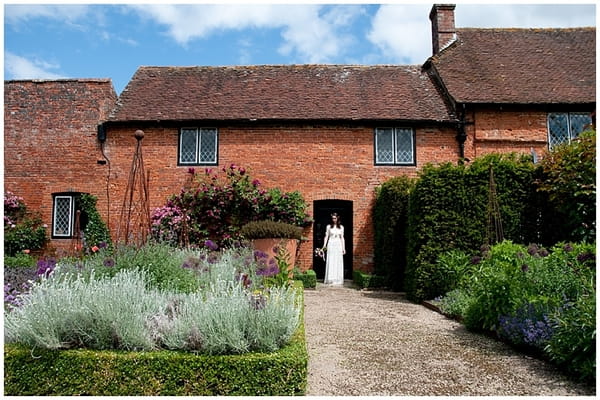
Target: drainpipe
461,135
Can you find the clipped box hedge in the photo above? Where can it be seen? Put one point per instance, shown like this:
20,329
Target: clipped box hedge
116,373
308,278
364,281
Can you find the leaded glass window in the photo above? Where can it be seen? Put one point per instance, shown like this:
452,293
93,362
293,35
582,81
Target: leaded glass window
63,216
394,146
564,127
198,146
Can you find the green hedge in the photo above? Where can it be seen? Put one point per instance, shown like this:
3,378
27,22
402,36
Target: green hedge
116,373
364,281
308,278
390,219
448,210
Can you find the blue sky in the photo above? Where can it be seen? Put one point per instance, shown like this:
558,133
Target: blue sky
45,41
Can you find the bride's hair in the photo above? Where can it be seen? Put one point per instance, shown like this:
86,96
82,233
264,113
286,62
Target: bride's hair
338,222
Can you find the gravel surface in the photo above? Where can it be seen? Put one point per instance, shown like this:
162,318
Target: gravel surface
377,343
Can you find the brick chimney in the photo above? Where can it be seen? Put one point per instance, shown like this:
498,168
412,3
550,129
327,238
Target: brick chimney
443,30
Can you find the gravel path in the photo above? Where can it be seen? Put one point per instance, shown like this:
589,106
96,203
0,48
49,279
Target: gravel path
375,343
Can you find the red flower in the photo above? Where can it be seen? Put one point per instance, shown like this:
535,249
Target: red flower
95,249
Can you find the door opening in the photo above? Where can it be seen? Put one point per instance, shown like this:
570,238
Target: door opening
322,215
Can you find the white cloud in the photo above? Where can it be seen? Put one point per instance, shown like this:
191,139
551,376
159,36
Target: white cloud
70,13
18,67
308,34
402,33
525,15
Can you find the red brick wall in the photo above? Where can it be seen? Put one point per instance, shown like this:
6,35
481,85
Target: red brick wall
322,162
499,131
50,140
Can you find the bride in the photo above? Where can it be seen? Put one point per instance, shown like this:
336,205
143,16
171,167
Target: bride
336,248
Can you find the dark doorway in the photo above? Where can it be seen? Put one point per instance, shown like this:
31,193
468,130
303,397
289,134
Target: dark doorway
322,214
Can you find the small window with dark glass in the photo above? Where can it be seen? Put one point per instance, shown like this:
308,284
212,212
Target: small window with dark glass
394,146
564,127
64,211
198,146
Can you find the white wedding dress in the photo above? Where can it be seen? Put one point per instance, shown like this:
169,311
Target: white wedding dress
334,266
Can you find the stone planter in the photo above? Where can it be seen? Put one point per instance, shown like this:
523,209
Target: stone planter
267,245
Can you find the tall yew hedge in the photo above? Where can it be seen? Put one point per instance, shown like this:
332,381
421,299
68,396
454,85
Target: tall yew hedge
390,217
447,208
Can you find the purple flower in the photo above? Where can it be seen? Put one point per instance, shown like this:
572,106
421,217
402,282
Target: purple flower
191,171
475,260
583,257
102,245
524,267
109,262
568,248
211,245
46,266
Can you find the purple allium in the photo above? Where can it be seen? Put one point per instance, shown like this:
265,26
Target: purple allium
475,260
46,266
543,252
102,245
211,245
524,267
532,249
109,262
568,248
583,257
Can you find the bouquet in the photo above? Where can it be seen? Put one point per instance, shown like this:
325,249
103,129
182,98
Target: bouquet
320,252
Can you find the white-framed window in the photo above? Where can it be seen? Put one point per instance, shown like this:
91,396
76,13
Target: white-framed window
198,146
394,146
564,127
63,216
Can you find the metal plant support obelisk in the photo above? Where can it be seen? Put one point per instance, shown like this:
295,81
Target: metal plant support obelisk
134,223
495,233
76,247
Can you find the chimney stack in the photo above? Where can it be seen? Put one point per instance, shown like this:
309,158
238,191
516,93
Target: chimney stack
443,30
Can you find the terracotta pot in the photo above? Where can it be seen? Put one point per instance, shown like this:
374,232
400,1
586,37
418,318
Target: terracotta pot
268,244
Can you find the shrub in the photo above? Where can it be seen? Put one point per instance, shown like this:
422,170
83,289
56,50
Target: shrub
119,373
19,260
68,311
364,281
573,344
448,210
308,278
215,207
570,181
270,229
96,232
390,220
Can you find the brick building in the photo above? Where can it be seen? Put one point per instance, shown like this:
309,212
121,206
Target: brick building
332,132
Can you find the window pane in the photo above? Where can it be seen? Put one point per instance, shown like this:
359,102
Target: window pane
208,146
578,122
63,212
404,146
188,146
384,146
558,129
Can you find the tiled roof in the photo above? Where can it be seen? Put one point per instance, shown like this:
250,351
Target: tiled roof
58,104
520,66
278,92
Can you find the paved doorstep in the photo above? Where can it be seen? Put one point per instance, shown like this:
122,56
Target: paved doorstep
373,343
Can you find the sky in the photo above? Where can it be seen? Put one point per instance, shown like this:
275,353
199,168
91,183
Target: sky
112,40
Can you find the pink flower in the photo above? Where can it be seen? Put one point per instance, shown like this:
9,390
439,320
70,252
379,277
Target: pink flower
95,249
26,251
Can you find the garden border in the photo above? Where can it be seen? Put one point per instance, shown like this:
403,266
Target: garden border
151,373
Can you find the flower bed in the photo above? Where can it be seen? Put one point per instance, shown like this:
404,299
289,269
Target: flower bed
149,373
156,320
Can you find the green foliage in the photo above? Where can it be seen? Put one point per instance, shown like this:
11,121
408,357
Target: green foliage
270,229
533,297
19,260
308,278
448,209
95,232
157,373
215,206
570,181
364,281
22,231
390,219
70,311
573,345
